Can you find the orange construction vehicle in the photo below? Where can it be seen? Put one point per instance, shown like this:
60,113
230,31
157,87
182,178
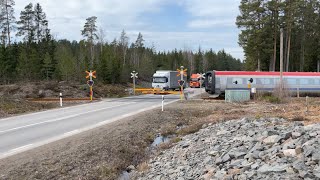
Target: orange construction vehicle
195,81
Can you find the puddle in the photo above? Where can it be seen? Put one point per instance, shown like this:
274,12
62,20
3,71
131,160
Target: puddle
160,139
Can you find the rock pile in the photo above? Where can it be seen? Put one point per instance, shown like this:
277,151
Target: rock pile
242,149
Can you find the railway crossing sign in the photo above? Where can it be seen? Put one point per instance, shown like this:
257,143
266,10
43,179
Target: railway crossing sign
182,72
181,82
134,74
91,74
90,82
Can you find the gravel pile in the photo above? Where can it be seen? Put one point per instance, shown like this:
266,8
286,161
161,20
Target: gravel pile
242,149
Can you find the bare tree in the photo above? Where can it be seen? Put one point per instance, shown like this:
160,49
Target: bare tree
101,36
124,41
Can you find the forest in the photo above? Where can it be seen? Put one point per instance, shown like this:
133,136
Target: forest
35,55
260,22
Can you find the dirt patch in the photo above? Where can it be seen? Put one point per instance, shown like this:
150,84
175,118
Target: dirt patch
105,152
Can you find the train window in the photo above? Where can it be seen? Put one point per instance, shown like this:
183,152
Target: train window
217,81
291,81
268,81
306,81
259,81
316,81
235,81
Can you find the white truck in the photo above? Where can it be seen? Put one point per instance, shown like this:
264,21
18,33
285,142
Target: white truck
167,80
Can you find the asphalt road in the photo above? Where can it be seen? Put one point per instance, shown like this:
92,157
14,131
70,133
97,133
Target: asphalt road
25,132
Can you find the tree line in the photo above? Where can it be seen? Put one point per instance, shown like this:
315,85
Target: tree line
28,52
260,22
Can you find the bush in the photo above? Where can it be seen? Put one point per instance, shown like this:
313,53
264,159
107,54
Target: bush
272,99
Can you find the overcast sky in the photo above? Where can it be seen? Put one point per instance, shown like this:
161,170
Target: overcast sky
166,24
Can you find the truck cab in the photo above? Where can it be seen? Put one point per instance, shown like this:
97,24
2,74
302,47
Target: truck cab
160,79
167,80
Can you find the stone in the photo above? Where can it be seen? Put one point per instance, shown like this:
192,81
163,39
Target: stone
223,132
299,165
236,154
272,168
308,150
236,163
234,171
316,156
313,134
220,174
226,158
250,174
290,170
295,135
213,153
218,161
272,139
289,144
290,152
316,171
207,159
299,150
255,166
185,145
130,168
287,135
242,177
255,154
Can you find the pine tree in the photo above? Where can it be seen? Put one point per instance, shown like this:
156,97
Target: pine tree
41,24
7,18
48,66
26,24
90,32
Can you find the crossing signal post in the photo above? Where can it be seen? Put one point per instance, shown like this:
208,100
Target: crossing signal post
134,75
90,82
181,72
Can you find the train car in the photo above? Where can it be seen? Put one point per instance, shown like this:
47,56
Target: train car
216,82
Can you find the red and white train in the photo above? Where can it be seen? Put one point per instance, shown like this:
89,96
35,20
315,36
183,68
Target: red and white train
216,82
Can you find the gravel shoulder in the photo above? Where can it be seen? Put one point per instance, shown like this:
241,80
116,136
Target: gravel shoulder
103,153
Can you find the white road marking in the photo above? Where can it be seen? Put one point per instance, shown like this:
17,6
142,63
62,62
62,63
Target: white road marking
60,119
53,110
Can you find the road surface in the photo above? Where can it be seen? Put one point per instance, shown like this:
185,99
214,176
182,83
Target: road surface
21,133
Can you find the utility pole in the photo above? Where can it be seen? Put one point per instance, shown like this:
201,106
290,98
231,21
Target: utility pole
318,66
281,61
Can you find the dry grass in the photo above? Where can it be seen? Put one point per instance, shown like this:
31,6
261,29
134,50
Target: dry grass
142,167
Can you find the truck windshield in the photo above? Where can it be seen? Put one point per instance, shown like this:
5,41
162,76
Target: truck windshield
160,80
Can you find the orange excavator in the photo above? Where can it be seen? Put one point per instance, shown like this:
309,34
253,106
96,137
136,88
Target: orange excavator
196,80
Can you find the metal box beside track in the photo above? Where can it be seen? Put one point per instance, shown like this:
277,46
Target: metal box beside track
237,95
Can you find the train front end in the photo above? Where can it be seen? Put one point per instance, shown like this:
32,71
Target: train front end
210,83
